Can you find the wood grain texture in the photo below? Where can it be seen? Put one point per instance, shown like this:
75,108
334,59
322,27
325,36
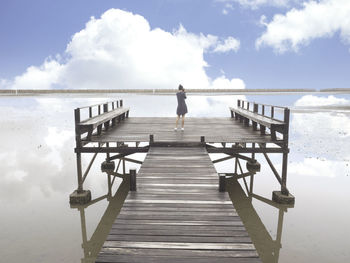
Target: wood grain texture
177,214
215,130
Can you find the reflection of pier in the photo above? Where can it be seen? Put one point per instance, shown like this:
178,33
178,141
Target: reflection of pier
177,183
267,248
92,246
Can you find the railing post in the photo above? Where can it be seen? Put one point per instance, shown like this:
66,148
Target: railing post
272,112
90,112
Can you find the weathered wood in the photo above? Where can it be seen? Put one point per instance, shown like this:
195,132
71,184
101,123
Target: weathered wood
180,245
177,208
179,253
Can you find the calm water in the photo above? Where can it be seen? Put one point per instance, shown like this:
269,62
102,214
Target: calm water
38,173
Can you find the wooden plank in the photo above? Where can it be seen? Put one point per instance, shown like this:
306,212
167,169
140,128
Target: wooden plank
180,245
176,253
147,259
179,238
200,228
179,222
178,232
139,129
177,214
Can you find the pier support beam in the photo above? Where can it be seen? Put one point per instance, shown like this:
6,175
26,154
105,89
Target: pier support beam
222,182
281,198
132,179
80,197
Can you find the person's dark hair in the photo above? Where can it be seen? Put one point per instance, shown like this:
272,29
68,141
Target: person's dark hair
180,87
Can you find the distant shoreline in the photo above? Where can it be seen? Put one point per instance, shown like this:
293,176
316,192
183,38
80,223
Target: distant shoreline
26,92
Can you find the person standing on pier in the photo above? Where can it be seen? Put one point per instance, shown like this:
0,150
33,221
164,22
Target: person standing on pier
181,107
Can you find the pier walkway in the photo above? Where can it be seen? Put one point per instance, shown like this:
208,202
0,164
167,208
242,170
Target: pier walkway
177,214
178,211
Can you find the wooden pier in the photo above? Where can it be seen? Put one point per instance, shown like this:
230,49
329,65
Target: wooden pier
177,209
177,214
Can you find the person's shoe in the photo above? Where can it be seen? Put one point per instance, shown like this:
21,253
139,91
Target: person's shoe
182,129
175,129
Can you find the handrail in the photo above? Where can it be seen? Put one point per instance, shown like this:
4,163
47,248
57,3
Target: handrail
101,108
94,105
260,109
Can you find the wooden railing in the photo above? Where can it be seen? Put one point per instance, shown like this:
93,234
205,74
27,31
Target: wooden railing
262,116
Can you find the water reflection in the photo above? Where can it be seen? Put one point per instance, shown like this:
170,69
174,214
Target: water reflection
268,248
91,247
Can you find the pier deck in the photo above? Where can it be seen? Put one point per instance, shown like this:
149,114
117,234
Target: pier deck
177,214
216,130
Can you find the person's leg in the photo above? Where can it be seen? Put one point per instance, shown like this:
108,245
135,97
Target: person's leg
183,121
177,121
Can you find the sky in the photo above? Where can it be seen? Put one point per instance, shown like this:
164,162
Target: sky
46,44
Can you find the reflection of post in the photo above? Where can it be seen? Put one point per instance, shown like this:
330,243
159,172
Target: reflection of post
92,247
83,231
267,248
279,234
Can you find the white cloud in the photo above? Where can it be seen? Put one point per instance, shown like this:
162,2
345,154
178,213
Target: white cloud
310,100
120,50
255,4
319,167
229,44
317,19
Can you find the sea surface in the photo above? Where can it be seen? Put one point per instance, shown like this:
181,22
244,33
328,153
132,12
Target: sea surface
38,173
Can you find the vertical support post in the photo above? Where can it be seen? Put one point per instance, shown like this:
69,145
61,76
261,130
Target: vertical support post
151,139
222,183
79,173
285,153
251,184
202,139
253,153
79,196
109,179
78,148
132,179
123,166
105,109
121,103
236,165
90,112
238,103
255,110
